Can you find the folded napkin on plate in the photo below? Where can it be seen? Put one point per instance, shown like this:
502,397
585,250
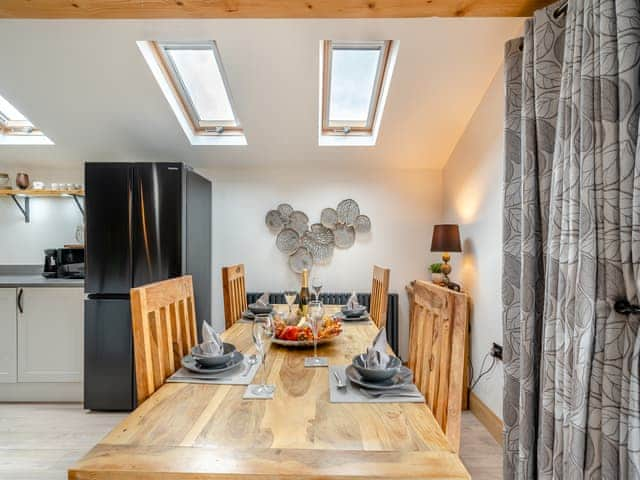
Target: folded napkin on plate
211,342
263,301
352,303
376,356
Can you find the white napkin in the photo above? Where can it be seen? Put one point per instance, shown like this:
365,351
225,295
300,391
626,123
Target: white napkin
352,303
263,301
376,356
211,342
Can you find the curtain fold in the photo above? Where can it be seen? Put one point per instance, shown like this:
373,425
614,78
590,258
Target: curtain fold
571,244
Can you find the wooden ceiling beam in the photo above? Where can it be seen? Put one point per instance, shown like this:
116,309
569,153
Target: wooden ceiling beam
141,9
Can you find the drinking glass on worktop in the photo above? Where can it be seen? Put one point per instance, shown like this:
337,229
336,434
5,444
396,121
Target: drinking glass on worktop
316,284
262,332
290,297
315,319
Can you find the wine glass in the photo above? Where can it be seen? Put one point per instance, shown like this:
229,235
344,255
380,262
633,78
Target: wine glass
316,315
316,284
290,297
262,332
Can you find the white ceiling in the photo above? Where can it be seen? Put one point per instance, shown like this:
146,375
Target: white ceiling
86,85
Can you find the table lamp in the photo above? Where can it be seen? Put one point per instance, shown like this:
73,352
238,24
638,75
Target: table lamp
446,238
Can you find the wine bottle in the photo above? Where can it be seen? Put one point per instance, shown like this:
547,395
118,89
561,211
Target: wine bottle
303,303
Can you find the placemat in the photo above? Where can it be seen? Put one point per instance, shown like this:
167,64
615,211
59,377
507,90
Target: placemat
352,393
243,375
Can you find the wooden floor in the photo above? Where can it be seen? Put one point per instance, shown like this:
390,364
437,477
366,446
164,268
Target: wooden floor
39,441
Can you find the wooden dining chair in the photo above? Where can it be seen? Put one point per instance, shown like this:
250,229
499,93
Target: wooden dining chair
437,338
164,330
379,295
234,293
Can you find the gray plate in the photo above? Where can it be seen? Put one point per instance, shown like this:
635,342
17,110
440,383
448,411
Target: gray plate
190,364
343,318
403,378
258,309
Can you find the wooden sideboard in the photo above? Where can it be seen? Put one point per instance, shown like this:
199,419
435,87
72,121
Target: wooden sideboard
459,304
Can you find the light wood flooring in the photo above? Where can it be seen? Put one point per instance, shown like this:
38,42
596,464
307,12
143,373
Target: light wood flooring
38,441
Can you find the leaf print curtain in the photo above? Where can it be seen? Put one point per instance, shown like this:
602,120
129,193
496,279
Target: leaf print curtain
572,244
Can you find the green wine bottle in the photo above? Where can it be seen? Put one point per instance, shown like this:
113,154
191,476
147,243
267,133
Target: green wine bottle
303,303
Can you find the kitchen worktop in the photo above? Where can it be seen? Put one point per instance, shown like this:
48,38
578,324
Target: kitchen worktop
16,276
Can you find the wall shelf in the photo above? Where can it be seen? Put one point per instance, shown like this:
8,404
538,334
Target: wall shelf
24,195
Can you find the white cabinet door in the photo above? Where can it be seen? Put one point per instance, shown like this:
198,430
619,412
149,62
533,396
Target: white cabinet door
8,336
50,335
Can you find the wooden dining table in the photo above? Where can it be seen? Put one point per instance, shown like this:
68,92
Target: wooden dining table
196,431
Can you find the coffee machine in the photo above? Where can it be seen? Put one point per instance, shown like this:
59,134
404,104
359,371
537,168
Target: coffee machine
63,263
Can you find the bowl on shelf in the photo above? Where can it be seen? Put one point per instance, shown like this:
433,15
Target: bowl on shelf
376,374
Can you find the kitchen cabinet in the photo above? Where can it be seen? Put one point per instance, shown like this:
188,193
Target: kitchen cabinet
8,335
49,334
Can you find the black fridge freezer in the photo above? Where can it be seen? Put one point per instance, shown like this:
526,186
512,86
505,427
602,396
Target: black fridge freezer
145,222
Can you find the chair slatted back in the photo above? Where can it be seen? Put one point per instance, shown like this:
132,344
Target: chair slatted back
437,339
164,330
379,295
234,293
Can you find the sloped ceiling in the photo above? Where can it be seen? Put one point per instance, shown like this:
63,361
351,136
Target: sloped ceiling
86,85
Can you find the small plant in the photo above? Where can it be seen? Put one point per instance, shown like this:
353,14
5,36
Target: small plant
435,268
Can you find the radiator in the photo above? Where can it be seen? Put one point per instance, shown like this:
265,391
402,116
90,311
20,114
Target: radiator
341,299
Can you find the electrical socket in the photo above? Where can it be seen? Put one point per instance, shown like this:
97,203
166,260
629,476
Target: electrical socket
496,351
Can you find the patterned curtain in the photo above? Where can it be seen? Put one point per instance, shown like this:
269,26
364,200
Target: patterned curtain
572,244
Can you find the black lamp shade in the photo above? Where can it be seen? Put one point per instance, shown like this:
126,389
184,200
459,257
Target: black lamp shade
446,238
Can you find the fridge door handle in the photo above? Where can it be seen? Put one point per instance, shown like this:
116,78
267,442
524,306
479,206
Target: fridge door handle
20,305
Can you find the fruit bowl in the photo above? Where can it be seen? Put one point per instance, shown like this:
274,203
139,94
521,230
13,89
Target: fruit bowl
301,335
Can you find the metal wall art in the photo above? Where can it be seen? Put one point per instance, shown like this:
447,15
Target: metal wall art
308,245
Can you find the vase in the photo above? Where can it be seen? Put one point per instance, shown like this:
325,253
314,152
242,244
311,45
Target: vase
22,181
436,277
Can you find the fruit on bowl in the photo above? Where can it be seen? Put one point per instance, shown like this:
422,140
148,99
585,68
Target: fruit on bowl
302,331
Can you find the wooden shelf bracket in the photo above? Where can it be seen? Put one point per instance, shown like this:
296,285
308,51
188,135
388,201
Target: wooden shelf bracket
24,209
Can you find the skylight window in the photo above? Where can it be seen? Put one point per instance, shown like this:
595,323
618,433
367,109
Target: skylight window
16,129
193,80
355,78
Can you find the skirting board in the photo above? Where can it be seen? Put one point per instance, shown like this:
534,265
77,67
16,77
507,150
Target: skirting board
41,392
489,419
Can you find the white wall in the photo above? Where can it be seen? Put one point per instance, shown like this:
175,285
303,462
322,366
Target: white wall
53,220
403,206
473,198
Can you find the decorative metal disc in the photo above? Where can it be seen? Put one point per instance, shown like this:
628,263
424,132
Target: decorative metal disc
299,221
285,209
300,260
344,235
347,211
321,234
288,241
274,220
329,218
362,224
321,252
